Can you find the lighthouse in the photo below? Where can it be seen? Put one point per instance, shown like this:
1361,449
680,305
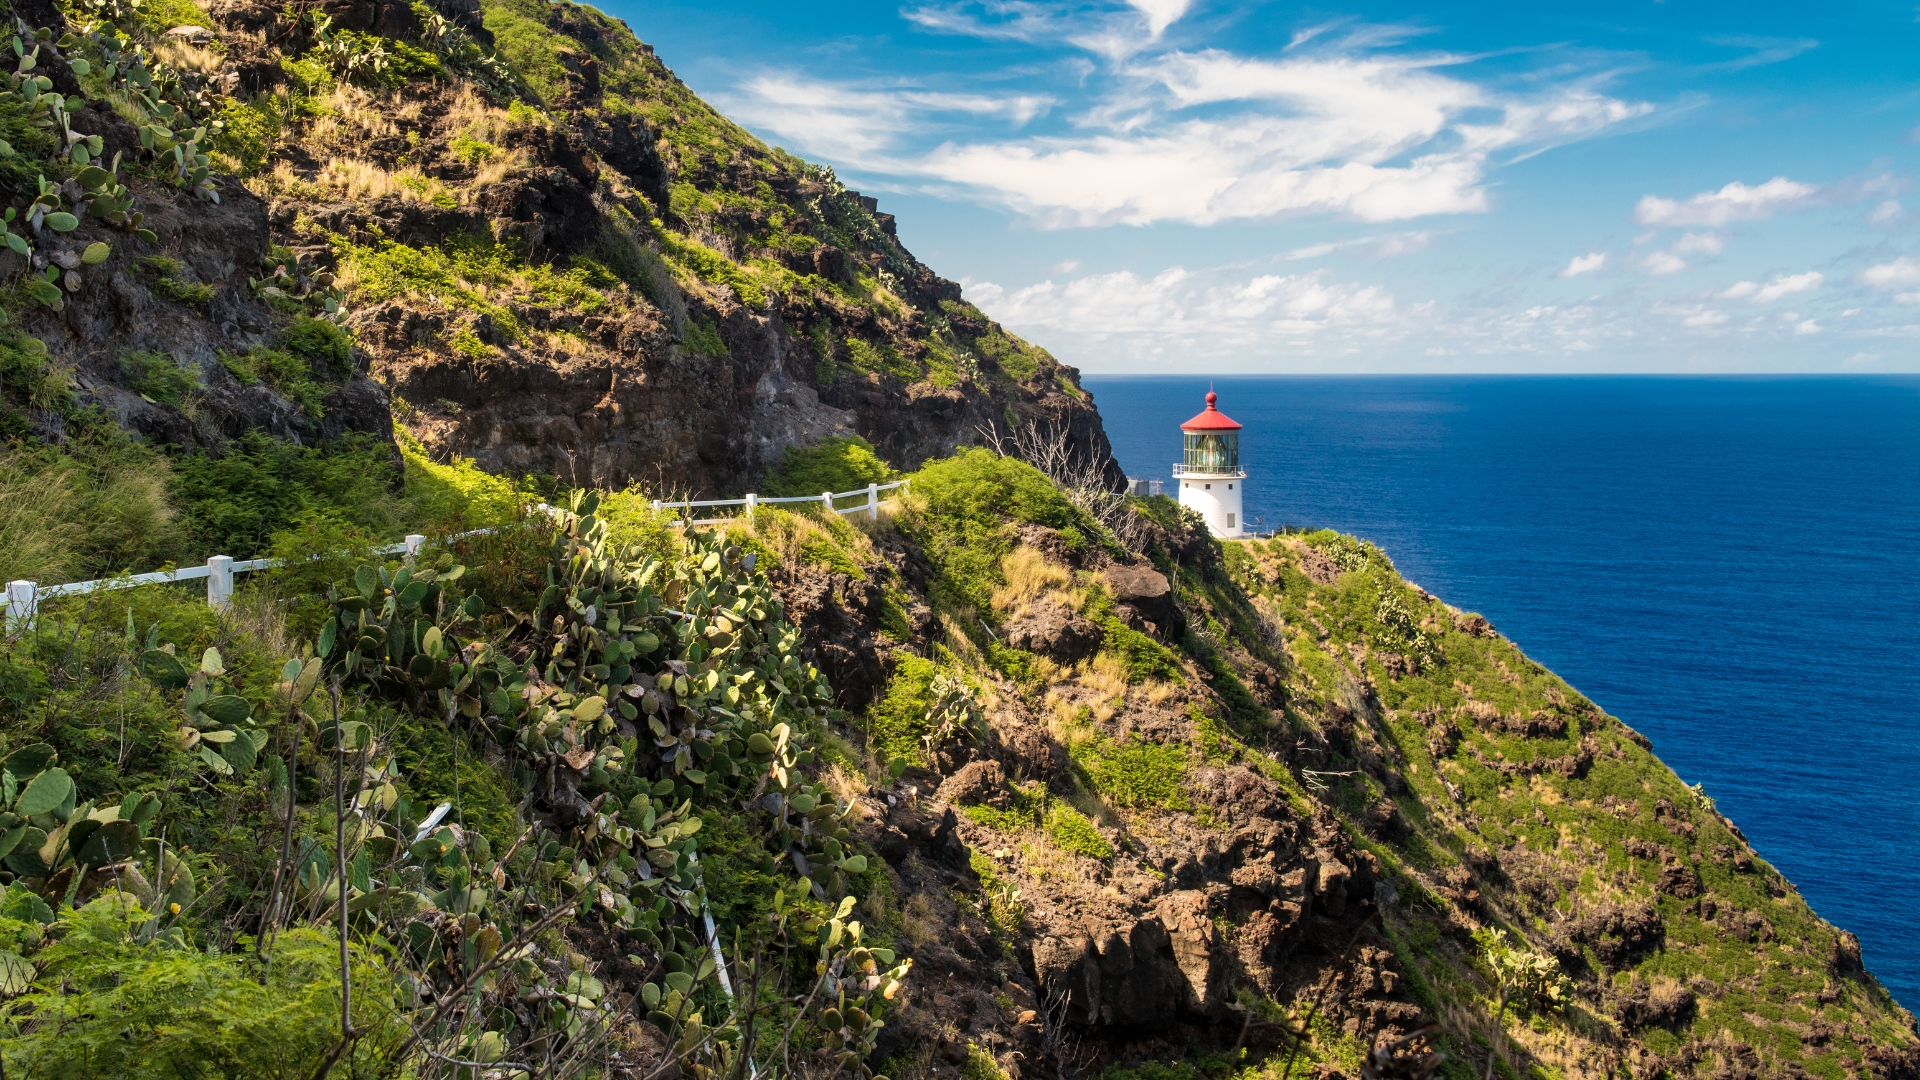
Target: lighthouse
1211,480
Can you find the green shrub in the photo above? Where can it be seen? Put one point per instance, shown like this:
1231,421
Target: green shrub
29,379
1070,830
163,277
898,719
964,512
325,343
703,339
836,464
235,502
1135,773
248,132
158,377
288,375
111,999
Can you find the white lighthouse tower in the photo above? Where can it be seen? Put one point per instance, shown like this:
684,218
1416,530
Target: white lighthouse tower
1211,480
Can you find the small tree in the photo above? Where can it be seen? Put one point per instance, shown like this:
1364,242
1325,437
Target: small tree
1519,974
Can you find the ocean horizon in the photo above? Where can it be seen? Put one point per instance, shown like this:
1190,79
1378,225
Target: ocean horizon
1729,564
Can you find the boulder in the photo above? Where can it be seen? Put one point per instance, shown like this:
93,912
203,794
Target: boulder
977,782
1054,632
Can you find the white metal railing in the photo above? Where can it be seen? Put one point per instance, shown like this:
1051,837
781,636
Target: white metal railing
751,502
1181,468
23,597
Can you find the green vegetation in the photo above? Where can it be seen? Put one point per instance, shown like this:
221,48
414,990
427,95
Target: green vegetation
963,513
163,277
835,464
1136,774
159,377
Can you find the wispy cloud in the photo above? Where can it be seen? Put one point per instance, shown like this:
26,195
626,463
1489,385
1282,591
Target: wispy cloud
1781,285
1364,135
1734,202
1377,247
1584,264
1760,50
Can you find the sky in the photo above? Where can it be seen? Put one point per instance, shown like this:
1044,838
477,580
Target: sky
1183,186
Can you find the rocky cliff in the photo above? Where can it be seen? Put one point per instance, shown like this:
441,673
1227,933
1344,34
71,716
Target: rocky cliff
554,259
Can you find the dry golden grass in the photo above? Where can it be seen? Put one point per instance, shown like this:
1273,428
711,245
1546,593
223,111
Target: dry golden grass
352,118
846,785
188,57
1029,578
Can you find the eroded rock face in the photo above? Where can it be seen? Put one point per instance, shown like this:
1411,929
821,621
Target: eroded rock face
123,308
1054,632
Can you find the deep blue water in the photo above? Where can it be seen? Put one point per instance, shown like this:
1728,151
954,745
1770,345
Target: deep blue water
1730,565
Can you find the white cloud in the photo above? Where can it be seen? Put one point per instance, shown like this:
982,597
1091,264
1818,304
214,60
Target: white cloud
1179,304
1885,214
1202,137
1892,275
1067,266
1781,285
1735,202
1704,318
1584,264
1160,13
1808,327
1377,247
1699,244
1906,298
1661,262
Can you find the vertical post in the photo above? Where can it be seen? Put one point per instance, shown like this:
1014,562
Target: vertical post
219,581
873,501
826,499
414,543
23,599
656,506
752,501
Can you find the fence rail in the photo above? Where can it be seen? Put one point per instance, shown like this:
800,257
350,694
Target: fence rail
23,597
751,502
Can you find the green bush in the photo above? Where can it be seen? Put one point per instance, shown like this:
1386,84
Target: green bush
290,376
1135,773
325,343
965,509
1070,830
158,376
898,719
112,999
235,502
836,464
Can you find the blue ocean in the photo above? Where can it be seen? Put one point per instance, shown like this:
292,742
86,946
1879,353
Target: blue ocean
1730,565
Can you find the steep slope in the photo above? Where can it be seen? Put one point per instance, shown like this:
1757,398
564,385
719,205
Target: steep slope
552,259
1225,794
607,280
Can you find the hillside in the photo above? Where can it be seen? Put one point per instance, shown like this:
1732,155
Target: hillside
1016,779
509,227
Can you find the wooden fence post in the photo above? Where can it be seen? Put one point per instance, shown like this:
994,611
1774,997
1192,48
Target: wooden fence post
219,581
23,600
415,542
873,501
752,502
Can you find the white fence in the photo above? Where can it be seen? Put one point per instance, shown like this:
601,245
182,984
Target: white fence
829,499
23,597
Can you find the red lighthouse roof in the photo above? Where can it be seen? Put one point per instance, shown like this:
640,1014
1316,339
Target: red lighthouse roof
1212,419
